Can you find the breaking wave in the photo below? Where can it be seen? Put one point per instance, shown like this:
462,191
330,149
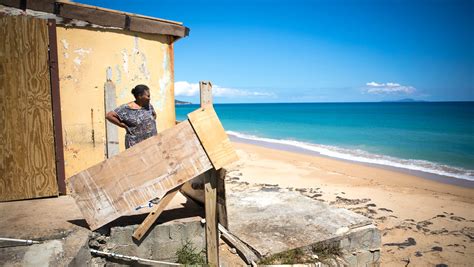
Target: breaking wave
366,157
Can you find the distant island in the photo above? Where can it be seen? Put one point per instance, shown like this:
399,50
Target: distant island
404,100
178,102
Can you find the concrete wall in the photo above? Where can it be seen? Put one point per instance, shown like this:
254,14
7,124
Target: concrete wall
87,56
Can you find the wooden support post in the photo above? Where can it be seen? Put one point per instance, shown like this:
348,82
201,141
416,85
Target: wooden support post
212,244
151,218
210,191
205,88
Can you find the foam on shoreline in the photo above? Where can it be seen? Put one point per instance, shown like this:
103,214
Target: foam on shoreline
458,175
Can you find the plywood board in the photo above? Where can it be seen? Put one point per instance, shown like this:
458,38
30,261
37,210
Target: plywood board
115,187
27,159
215,141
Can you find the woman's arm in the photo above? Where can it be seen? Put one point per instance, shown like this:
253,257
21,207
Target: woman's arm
114,118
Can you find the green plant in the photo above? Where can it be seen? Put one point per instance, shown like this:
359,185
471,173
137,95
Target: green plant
301,256
189,255
287,257
326,251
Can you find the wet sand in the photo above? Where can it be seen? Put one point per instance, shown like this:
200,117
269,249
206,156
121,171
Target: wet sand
423,222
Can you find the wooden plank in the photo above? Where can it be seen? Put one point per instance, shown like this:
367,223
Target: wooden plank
205,90
41,5
12,3
212,242
151,218
92,15
157,27
56,103
215,141
116,186
112,146
221,202
116,11
27,161
243,250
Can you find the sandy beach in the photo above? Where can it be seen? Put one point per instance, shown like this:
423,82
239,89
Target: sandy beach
422,222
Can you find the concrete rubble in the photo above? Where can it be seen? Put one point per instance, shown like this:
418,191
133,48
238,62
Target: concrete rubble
272,222
276,221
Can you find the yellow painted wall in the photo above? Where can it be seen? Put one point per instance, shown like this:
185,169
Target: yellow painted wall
84,57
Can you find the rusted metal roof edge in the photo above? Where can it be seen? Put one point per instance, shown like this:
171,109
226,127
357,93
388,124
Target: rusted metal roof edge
102,16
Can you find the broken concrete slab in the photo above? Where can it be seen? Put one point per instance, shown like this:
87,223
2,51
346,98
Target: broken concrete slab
276,221
59,224
56,222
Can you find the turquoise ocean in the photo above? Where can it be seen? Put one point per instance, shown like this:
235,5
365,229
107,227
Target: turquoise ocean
430,137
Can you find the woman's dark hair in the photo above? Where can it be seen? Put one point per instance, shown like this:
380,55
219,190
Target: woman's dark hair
139,90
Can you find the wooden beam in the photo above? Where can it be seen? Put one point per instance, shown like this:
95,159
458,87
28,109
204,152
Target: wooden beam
151,218
116,186
242,249
212,242
56,103
113,11
41,5
139,24
212,135
221,202
205,89
92,15
12,3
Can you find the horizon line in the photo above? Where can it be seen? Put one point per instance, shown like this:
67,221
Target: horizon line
335,102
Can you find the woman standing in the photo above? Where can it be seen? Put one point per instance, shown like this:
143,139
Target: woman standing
137,117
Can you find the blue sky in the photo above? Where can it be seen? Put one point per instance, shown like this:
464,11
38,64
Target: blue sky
320,51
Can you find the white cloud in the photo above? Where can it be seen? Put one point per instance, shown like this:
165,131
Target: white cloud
389,88
186,89
183,88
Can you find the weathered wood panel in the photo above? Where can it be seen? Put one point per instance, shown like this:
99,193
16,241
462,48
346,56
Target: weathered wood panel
205,92
157,27
215,141
27,159
212,243
141,173
92,15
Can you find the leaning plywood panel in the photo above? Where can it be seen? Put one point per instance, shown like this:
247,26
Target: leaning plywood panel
27,159
141,173
215,141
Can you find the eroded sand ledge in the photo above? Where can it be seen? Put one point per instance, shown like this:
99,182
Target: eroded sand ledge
422,221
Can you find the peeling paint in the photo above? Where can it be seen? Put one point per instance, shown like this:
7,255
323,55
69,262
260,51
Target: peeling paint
77,61
164,81
119,74
65,44
66,55
82,74
136,50
125,60
82,52
108,74
123,92
143,68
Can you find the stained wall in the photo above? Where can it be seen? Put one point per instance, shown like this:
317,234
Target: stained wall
86,58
